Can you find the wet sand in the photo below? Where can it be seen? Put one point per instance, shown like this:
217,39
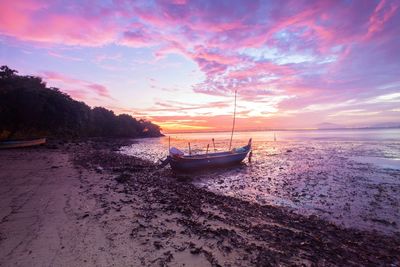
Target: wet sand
353,184
85,204
321,179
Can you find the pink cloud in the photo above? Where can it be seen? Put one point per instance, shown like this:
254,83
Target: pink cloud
77,94
77,87
314,51
179,106
201,53
99,89
382,13
58,55
54,76
136,35
42,21
14,15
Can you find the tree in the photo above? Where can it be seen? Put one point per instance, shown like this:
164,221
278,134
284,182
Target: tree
28,108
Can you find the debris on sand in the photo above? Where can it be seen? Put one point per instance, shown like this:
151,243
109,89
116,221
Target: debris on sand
99,169
177,220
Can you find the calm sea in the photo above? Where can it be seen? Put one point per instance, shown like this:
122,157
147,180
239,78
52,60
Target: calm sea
350,177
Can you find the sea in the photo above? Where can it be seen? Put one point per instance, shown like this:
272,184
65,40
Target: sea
350,177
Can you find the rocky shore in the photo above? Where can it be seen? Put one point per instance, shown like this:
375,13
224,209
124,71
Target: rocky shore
112,209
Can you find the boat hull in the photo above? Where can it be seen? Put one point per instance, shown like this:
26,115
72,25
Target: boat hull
22,143
204,163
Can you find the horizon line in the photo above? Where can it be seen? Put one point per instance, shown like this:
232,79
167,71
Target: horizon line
287,129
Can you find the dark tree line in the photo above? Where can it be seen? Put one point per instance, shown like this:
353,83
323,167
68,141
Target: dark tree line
28,108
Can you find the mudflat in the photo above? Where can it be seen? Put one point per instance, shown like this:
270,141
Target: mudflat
85,204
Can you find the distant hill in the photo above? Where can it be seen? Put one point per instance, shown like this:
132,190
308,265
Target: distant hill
376,125
28,108
327,125
386,125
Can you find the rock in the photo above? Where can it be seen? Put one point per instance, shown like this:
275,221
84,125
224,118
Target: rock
260,199
195,250
157,244
168,255
122,178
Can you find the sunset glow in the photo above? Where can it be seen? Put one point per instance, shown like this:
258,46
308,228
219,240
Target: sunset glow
294,64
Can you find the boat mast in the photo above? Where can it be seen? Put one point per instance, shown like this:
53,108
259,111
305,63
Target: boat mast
233,124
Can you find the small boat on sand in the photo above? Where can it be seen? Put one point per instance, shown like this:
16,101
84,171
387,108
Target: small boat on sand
22,143
187,163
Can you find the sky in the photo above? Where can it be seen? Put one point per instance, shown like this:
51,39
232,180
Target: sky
294,64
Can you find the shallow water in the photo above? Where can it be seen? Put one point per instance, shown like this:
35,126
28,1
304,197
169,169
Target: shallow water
350,177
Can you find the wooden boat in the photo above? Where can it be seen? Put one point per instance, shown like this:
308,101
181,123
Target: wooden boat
188,163
22,143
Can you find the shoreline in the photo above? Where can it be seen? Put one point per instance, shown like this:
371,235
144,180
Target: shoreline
108,208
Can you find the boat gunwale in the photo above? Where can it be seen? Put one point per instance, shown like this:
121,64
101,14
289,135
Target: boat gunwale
21,141
207,156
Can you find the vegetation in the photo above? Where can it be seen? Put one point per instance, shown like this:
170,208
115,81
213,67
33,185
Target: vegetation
28,108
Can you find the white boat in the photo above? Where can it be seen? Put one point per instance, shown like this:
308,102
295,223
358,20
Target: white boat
22,143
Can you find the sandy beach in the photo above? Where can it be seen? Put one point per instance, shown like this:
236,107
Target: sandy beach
85,204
